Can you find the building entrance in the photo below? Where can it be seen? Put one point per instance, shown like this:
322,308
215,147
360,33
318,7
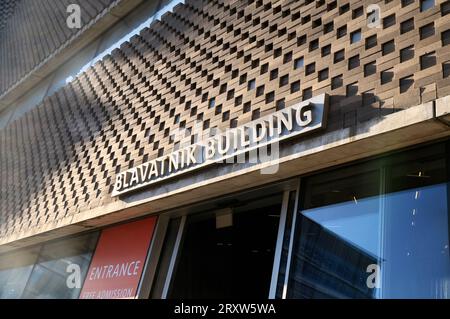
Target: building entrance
229,252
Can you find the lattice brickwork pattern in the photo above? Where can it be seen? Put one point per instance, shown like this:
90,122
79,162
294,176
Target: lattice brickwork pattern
31,30
222,63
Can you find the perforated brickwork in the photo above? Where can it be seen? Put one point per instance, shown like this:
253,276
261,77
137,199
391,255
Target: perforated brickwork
222,63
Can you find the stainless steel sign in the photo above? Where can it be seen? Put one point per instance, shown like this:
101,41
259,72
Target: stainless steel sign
304,117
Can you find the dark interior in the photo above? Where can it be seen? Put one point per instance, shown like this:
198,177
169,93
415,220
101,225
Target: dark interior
228,262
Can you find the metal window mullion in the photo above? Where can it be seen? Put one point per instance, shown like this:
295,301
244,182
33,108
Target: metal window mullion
291,241
279,245
382,241
174,257
153,256
36,262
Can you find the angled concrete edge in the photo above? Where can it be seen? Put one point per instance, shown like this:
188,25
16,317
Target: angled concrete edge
84,36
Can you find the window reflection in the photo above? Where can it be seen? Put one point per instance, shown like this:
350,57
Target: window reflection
416,247
15,269
327,265
392,213
337,236
416,226
48,279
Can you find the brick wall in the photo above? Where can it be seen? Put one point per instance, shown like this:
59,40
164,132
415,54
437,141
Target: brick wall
31,30
220,64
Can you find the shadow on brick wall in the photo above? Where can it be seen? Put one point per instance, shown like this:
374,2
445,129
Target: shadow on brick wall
351,111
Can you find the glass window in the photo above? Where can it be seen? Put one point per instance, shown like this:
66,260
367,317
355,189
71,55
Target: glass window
355,36
285,250
48,279
165,258
337,235
377,230
426,4
415,246
15,269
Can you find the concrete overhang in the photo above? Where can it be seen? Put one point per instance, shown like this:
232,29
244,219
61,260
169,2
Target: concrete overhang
443,110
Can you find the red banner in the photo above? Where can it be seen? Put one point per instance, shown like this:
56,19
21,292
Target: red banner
118,261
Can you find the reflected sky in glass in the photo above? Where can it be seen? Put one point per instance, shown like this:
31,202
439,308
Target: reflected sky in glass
407,232
356,222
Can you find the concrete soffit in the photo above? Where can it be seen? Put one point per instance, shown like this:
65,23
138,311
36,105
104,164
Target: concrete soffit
109,16
417,124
